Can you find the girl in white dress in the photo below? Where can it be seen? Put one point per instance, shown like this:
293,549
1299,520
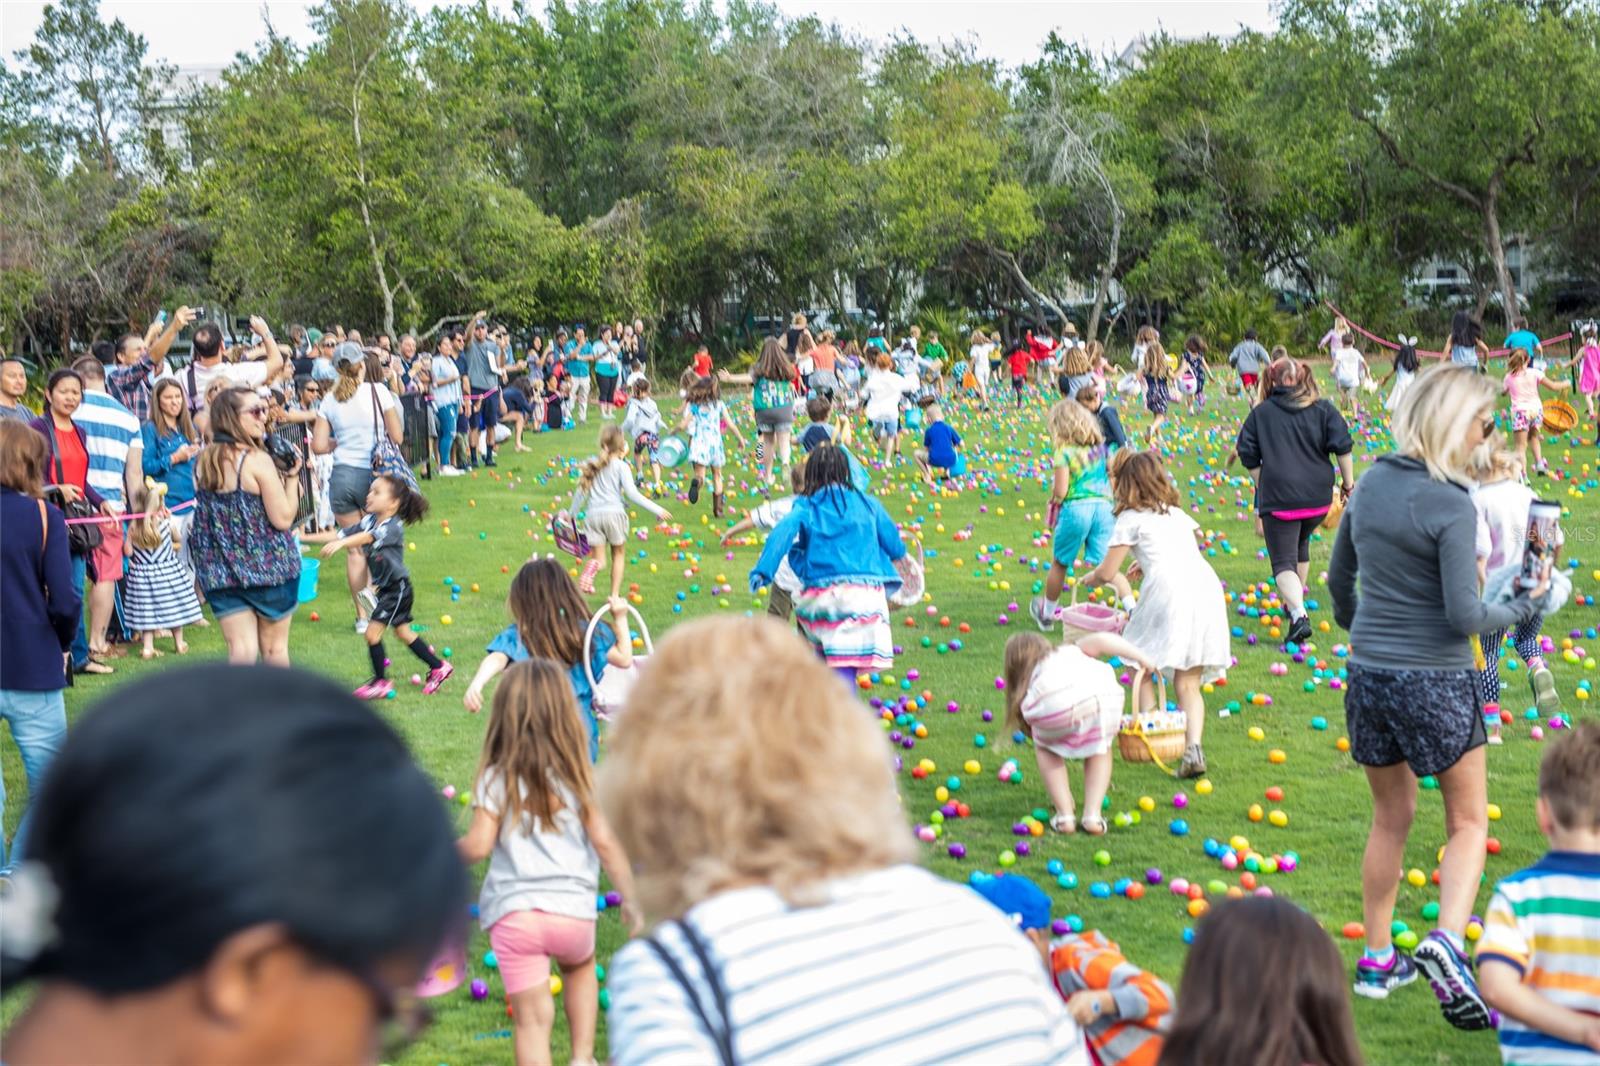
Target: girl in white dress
1181,619
1403,374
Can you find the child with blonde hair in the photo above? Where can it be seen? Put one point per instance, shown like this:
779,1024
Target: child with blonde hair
1522,383
1080,503
159,590
704,417
1070,704
1155,378
605,487
536,821
1181,620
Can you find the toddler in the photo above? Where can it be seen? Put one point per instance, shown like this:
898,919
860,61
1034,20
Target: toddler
641,424
1522,383
1589,366
159,591
939,444
1349,367
785,583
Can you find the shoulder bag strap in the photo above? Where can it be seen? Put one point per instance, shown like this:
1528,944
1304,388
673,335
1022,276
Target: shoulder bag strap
377,414
55,451
720,1034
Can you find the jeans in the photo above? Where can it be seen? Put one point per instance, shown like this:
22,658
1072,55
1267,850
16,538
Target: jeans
80,636
38,723
447,430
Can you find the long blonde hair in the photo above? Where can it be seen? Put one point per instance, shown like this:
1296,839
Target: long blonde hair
1072,423
149,500
1024,653
1155,362
1432,421
349,380
537,744
613,445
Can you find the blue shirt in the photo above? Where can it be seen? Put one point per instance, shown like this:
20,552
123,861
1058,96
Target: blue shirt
1525,339
836,536
577,366
509,643
941,442
158,451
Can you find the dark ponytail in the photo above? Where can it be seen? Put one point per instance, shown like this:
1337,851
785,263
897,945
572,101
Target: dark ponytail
413,504
194,804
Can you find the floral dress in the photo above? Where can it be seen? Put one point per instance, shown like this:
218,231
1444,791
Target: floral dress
705,433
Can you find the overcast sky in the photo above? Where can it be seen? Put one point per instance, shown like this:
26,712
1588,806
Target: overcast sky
210,32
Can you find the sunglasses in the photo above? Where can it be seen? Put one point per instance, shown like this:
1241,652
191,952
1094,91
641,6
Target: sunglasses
255,409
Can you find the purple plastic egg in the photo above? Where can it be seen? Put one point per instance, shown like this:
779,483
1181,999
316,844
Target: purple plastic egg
1022,849
480,989
957,851
1152,876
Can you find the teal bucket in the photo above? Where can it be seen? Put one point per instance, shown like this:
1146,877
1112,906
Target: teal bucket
310,567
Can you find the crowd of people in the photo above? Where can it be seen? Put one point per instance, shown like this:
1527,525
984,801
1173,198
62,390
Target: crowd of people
143,491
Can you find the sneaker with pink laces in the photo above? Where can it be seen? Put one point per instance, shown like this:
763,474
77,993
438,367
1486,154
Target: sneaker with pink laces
437,678
376,689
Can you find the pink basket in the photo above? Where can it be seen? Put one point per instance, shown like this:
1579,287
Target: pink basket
567,535
1093,617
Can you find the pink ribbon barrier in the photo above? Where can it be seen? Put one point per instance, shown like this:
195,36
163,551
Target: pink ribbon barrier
1497,353
126,517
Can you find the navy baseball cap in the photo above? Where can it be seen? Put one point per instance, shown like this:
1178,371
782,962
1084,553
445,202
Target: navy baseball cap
1025,902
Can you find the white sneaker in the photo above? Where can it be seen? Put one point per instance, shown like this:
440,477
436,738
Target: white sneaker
361,625
450,471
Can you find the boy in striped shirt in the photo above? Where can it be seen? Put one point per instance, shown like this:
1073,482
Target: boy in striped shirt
1539,957
1124,1010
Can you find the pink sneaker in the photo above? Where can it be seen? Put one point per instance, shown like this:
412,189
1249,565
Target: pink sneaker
376,689
437,678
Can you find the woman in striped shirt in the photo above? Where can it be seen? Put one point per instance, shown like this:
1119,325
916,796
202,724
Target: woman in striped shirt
795,931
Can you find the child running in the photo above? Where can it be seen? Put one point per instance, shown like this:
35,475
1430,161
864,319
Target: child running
845,546
1181,621
1155,378
1589,366
704,417
1080,501
1070,704
1018,362
390,502
1539,956
159,590
882,392
605,488
1403,374
1501,501
1192,380
785,585
1349,368
641,425
536,821
1522,383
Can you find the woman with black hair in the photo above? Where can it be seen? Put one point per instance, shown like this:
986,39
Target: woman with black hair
844,549
265,885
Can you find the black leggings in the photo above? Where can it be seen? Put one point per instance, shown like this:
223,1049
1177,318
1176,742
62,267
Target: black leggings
608,387
1289,542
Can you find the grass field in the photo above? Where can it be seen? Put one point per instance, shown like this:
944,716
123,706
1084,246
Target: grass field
986,554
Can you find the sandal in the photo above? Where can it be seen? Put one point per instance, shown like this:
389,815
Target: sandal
1064,823
95,666
1095,827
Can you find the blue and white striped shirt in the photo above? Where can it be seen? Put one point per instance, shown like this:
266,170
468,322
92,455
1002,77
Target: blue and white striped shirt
109,431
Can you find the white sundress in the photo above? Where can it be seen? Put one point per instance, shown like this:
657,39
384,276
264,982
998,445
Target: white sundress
1181,620
705,433
1402,382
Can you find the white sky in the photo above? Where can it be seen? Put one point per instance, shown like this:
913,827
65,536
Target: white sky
210,32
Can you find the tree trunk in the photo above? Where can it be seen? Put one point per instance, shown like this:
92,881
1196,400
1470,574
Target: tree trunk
366,213
1102,286
1497,254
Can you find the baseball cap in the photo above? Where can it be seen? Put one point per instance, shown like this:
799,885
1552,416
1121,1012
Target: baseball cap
348,352
313,336
1016,896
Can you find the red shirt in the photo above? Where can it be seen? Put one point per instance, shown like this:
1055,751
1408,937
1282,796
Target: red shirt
74,458
1019,361
702,364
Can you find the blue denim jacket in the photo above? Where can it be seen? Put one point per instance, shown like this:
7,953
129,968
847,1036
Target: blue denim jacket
838,535
158,452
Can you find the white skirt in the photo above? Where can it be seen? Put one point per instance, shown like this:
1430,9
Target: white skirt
1185,627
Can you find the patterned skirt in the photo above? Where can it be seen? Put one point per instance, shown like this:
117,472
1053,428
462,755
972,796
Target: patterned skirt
848,624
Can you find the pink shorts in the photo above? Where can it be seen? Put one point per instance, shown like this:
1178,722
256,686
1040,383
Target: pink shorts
524,942
107,557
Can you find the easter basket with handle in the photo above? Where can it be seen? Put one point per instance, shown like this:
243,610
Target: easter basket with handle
1153,736
611,690
568,537
1559,416
1092,617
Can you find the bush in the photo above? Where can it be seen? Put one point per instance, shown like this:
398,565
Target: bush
1221,315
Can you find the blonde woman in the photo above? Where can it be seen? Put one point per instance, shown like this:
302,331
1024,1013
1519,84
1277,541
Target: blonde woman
784,936
347,428
1411,705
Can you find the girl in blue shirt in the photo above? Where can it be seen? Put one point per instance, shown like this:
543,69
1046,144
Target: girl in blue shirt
550,619
843,546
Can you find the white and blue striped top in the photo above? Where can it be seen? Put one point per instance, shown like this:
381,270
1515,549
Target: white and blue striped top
109,431
896,965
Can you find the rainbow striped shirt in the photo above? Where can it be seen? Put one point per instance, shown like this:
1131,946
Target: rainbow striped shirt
1545,922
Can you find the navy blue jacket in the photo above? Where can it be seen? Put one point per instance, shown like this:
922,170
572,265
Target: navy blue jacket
39,608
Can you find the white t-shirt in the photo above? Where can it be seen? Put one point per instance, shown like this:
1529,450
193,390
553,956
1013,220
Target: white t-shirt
1347,367
353,423
196,379
442,366
882,391
551,868
896,965
766,518
978,357
1502,508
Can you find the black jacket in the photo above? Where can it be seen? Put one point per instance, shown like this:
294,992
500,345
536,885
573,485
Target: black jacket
1291,445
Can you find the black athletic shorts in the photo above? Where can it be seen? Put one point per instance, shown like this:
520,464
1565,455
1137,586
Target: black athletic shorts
394,605
1426,718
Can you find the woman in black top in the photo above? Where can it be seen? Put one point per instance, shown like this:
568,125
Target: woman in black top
1285,444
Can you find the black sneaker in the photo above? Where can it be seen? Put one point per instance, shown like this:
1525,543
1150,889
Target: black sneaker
1450,974
694,490
1376,982
1299,630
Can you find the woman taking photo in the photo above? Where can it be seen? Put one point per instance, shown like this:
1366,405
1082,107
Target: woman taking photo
1411,704
347,427
1285,445
168,940
66,477
244,555
40,607
795,939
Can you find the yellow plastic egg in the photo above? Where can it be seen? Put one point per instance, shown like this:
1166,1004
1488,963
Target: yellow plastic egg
1277,756
1204,786
972,766
1254,813
1416,878
1255,732
1494,812
1278,818
1146,804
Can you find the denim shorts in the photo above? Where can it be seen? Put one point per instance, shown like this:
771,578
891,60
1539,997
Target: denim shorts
272,602
882,429
347,489
1084,526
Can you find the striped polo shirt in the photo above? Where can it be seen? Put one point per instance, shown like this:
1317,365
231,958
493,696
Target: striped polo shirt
895,965
1545,922
109,429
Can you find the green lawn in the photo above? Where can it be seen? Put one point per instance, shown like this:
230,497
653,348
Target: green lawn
496,518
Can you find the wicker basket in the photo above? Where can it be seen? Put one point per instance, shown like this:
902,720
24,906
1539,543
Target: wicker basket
1559,416
1160,746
